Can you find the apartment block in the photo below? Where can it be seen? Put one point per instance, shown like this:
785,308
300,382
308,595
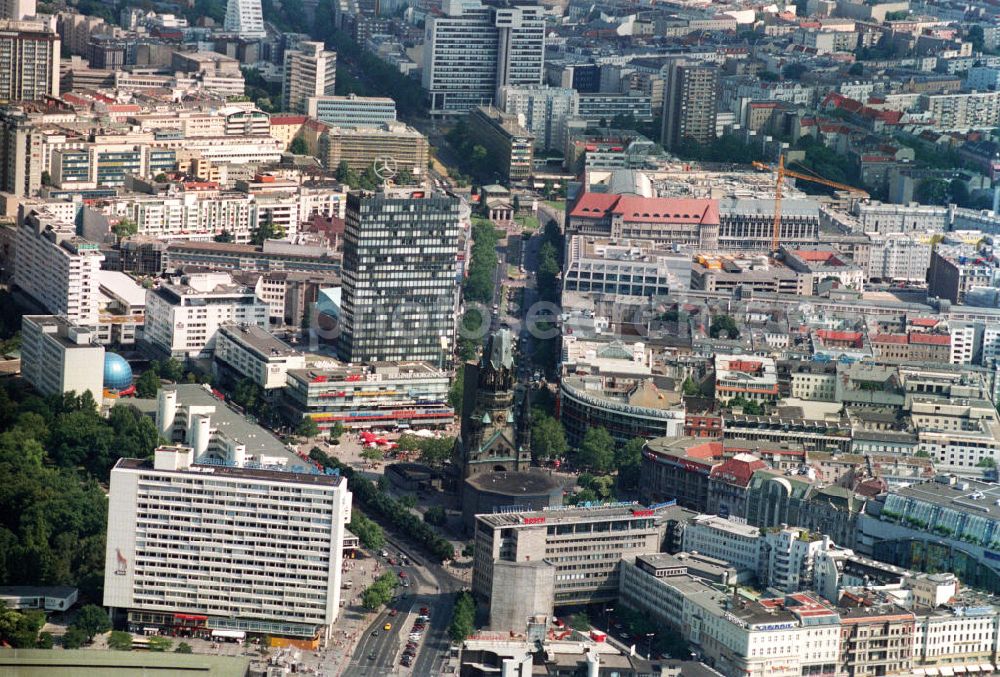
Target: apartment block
963,111
57,268
189,215
310,70
955,270
31,72
545,111
752,378
198,548
245,18
899,258
689,104
59,357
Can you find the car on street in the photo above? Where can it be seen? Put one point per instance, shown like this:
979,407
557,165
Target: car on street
387,627
393,612
374,633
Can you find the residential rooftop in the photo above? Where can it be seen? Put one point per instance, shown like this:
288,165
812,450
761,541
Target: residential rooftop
263,474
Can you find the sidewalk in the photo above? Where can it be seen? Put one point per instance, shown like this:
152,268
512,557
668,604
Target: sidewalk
354,619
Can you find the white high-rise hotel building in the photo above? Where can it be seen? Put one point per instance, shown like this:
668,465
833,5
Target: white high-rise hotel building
246,18
310,71
472,50
213,549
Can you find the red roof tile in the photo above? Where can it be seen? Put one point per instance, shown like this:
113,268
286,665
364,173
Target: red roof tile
737,471
288,119
646,209
930,339
898,339
594,205
668,210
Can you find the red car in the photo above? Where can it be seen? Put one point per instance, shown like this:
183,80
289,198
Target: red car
402,574
424,611
393,612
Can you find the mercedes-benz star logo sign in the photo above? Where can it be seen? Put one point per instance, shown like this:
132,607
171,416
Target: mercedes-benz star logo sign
385,168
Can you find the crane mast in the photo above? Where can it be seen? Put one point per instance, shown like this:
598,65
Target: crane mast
781,172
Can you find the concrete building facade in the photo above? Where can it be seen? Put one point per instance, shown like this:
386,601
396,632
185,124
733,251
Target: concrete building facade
58,357
196,548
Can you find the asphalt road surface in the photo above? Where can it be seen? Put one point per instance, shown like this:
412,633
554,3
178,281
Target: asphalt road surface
431,586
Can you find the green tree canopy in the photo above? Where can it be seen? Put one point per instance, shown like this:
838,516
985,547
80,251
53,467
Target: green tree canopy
298,146
436,515
93,620
157,643
147,385
307,427
74,638
463,618
931,192
723,325
125,228
548,439
379,592
368,532
120,641
20,628
597,451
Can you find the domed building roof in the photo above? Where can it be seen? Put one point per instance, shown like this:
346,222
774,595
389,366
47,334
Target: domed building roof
117,372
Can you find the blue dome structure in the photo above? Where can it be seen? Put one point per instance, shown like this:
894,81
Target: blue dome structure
117,372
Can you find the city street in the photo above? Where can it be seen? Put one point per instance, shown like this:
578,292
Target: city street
430,586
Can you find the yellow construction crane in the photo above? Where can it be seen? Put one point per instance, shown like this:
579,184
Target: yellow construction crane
782,172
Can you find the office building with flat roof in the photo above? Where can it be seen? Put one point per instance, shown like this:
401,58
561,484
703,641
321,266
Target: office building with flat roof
472,49
510,146
947,523
196,549
272,256
250,351
352,110
183,317
377,395
563,536
360,147
399,287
